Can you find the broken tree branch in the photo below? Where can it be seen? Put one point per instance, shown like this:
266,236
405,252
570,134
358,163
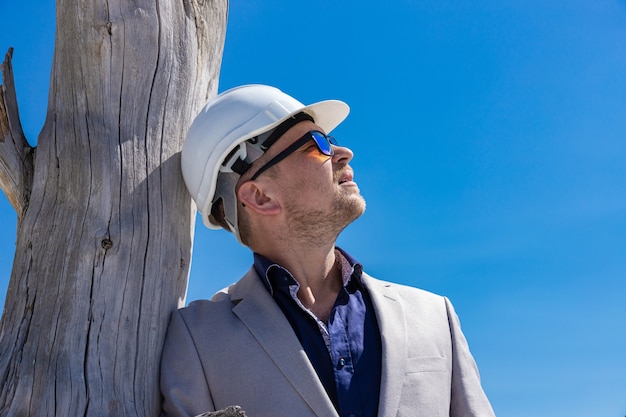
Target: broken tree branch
16,155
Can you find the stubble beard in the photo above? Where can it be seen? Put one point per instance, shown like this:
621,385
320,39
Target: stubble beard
313,226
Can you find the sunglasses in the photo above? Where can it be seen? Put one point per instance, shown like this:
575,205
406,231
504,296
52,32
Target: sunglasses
324,145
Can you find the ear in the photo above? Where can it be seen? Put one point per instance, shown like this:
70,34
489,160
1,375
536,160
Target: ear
255,196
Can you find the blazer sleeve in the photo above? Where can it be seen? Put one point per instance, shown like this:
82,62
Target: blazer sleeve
468,398
184,389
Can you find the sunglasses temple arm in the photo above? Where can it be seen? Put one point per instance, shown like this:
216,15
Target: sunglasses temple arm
288,151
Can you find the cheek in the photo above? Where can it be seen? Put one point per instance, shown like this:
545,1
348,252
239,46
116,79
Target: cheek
317,156
312,172
322,173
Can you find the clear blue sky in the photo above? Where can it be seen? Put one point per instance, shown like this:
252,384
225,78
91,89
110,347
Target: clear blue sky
490,144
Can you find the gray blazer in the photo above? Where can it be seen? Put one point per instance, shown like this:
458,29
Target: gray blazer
239,349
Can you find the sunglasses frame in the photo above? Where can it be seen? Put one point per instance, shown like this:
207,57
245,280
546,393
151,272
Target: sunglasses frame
313,135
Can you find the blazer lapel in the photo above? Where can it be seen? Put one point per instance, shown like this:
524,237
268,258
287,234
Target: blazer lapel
393,335
261,315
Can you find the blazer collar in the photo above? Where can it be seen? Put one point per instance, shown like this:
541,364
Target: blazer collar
392,327
261,315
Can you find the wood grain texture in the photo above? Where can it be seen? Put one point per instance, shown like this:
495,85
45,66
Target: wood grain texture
104,247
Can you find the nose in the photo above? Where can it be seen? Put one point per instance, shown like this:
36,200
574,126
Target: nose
342,155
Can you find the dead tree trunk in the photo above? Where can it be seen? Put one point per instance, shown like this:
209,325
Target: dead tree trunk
105,225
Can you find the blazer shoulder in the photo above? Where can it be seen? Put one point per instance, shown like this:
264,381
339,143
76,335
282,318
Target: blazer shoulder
402,291
199,313
217,312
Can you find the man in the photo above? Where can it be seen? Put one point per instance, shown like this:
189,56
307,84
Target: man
305,332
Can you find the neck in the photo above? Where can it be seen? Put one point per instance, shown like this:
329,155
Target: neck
314,267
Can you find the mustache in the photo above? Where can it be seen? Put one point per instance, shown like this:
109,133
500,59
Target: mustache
344,171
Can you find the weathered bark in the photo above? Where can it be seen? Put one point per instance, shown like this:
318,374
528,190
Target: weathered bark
105,230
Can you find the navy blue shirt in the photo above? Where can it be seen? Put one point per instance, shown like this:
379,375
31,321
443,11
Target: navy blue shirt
346,352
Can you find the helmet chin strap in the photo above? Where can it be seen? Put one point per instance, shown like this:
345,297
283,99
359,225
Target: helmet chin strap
282,128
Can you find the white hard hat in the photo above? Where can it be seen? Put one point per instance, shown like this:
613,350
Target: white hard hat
222,130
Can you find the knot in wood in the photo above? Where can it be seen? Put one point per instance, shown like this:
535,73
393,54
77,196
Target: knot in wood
107,244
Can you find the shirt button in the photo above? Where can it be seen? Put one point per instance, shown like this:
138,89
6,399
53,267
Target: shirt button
340,365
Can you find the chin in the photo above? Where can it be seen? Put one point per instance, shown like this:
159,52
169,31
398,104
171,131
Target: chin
353,207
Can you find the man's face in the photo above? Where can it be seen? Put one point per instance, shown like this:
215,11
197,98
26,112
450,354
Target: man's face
318,194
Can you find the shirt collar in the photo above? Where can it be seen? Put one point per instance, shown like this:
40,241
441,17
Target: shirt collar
263,266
